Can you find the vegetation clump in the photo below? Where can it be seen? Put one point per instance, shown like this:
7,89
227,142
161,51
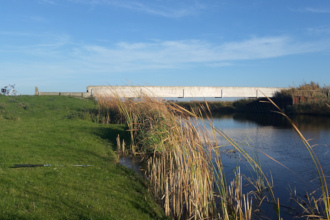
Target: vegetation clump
308,98
312,89
184,165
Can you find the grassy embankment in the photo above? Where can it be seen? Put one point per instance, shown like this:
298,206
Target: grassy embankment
59,131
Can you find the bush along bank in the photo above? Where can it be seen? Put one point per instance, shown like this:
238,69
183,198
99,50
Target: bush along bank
262,105
252,105
308,98
214,106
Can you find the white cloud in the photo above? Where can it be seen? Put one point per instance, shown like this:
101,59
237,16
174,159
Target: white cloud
59,51
191,52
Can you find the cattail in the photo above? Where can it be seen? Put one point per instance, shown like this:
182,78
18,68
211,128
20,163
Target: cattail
118,143
123,147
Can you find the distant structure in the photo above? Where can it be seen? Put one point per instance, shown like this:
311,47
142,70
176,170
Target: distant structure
9,90
75,94
172,91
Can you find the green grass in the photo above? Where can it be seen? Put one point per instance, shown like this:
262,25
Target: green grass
59,131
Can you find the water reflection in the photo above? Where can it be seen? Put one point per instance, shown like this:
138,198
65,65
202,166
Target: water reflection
273,137
133,163
276,120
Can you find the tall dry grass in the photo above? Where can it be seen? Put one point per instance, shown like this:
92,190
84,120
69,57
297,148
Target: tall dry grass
311,89
184,166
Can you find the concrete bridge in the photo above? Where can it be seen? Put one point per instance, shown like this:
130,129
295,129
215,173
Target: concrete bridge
172,91
183,91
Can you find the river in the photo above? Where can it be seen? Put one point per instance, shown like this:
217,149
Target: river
271,134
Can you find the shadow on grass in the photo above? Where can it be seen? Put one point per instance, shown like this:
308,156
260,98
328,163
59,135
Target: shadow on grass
110,134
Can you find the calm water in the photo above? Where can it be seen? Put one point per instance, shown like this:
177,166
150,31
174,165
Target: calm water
274,136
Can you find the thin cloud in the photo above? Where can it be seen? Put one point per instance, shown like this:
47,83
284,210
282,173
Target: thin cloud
157,10
37,19
171,9
47,2
43,44
319,30
316,10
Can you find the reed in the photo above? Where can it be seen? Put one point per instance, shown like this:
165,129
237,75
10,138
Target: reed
184,166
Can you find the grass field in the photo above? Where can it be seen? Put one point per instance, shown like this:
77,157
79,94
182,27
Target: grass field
58,130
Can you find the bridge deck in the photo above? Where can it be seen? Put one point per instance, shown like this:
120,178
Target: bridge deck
183,91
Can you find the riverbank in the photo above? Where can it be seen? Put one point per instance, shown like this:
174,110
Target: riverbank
58,131
262,105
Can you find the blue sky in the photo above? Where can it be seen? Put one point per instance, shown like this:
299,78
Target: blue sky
66,45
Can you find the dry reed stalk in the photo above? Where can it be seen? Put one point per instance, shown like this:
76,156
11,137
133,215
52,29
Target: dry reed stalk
181,163
118,144
123,147
167,200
